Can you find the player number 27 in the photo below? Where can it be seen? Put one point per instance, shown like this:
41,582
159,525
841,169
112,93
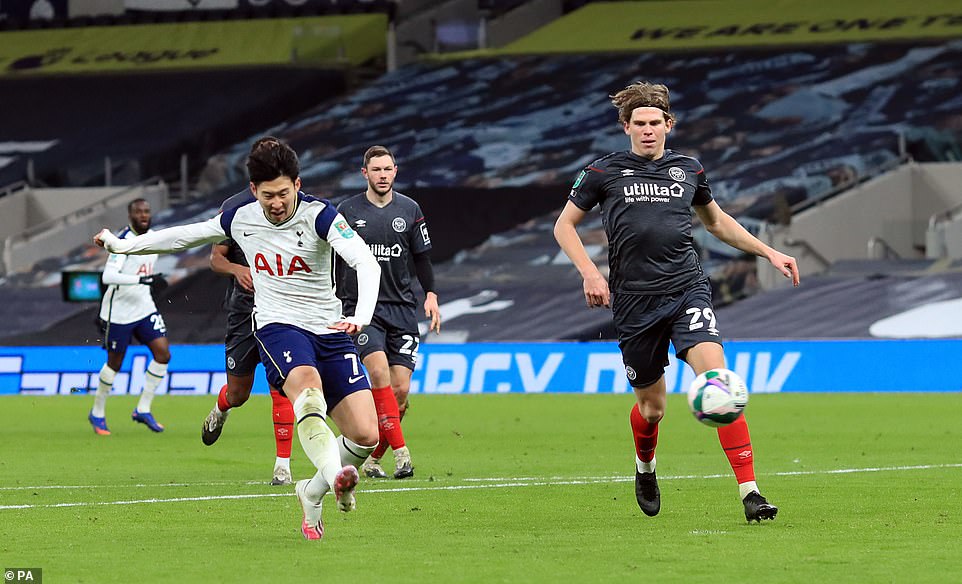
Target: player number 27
696,318
410,346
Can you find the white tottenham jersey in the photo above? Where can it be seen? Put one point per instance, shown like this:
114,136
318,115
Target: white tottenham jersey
126,299
290,262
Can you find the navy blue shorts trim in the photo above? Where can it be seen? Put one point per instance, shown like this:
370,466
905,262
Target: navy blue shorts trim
283,347
117,337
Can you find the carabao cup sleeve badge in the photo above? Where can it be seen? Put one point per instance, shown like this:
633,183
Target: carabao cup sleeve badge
344,229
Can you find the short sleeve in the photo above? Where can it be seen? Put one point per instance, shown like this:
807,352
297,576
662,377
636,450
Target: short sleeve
586,192
702,188
329,216
420,238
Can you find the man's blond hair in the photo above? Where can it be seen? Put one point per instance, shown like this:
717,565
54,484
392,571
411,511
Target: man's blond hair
642,94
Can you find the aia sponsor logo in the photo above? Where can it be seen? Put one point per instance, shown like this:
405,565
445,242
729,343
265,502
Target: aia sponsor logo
278,266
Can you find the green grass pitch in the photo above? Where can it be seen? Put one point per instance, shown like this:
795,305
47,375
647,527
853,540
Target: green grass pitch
508,488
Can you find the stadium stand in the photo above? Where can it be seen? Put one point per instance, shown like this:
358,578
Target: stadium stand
777,129
792,124
143,122
19,17
859,299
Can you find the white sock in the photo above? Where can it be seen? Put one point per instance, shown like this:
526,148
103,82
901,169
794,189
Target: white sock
353,453
747,487
283,462
104,385
155,374
317,440
644,466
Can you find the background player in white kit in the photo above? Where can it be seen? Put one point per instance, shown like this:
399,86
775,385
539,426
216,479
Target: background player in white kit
128,312
288,239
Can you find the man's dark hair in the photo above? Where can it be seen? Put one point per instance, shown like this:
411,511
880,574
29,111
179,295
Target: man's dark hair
270,159
130,205
377,151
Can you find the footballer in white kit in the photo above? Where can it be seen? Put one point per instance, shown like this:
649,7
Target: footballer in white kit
128,312
126,301
291,269
288,239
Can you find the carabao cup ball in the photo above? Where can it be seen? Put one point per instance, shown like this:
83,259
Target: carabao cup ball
717,397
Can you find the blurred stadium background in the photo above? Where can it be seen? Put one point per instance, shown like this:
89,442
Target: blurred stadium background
832,130
833,134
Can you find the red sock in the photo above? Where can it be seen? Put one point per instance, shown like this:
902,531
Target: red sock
283,413
737,443
646,435
388,420
222,404
381,447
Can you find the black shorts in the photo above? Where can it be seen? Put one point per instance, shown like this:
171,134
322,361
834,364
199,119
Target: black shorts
646,324
240,349
393,330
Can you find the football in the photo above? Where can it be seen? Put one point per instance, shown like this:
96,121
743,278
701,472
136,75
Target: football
717,397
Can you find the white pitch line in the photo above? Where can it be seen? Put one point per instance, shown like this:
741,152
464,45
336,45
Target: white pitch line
137,486
164,485
789,473
501,483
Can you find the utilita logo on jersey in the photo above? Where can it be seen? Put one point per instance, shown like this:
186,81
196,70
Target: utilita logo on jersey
296,264
651,192
384,253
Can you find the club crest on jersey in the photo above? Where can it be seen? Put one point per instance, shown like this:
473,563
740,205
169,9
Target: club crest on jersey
296,264
362,339
676,173
399,224
344,229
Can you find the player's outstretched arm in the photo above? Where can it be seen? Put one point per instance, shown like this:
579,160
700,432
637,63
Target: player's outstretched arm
170,240
566,233
724,227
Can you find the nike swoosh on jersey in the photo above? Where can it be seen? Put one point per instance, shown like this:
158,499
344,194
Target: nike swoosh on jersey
353,380
247,234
